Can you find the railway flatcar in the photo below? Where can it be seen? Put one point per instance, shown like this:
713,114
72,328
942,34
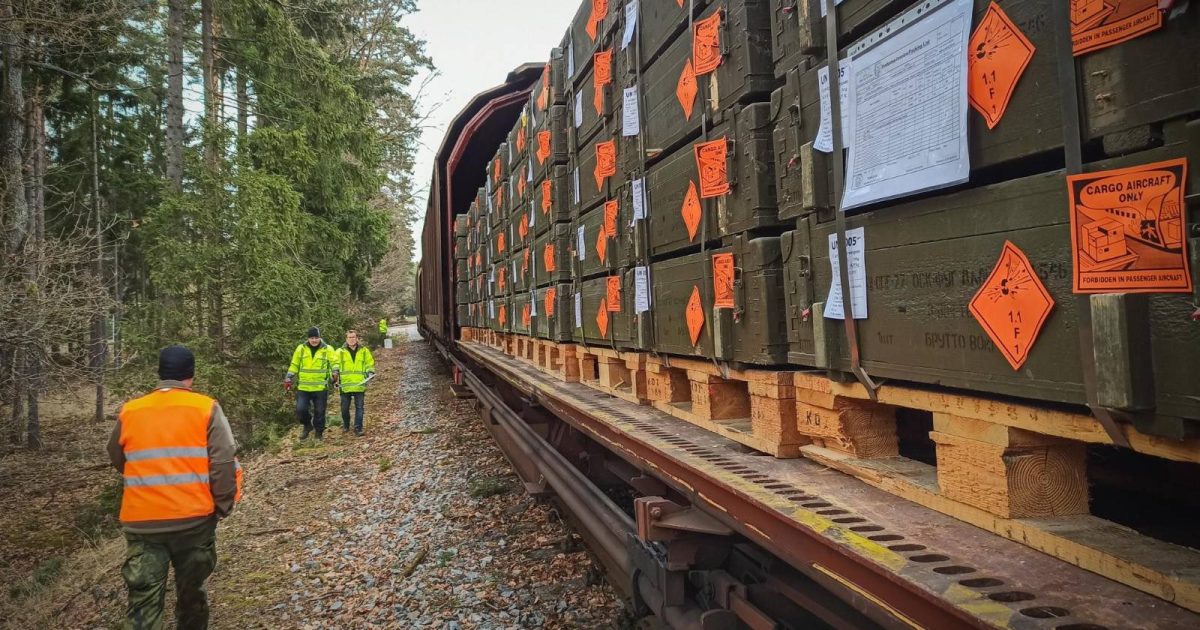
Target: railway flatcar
969,405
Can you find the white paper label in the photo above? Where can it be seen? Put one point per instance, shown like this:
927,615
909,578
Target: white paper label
824,141
529,171
492,309
580,247
492,279
578,112
532,215
641,289
571,57
631,14
579,310
639,199
575,188
533,303
487,183
511,156
824,10
630,117
856,251
908,107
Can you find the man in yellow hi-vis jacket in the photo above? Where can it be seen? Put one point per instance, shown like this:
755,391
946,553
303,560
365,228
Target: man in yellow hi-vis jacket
315,365
356,365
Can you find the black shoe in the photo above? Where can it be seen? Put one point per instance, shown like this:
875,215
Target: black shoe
345,428
304,434
358,433
320,436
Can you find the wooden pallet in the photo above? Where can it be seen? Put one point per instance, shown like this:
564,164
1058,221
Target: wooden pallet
620,374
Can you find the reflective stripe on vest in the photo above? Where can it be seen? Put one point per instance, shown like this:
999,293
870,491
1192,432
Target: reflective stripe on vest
164,436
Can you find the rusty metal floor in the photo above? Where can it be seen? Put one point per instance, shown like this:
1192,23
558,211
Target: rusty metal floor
781,504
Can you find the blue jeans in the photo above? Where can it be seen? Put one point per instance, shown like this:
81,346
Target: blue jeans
358,409
310,409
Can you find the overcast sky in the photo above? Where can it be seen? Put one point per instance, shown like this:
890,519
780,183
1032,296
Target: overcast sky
474,44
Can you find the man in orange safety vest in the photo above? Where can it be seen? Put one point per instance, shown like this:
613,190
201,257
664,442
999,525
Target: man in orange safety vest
175,449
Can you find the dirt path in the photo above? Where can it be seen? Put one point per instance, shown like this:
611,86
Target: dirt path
419,524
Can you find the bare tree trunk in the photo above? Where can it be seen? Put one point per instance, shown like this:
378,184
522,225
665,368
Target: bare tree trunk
98,341
175,12
15,211
18,402
34,262
212,86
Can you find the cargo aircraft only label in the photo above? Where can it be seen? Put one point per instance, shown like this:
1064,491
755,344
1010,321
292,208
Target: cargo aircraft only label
1127,230
1097,24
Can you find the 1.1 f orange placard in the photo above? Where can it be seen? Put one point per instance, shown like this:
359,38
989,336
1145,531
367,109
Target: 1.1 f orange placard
691,211
1012,305
694,315
602,318
1127,230
551,294
686,90
1000,52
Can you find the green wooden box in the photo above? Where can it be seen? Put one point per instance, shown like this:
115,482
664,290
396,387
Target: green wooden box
752,331
587,189
578,45
749,205
588,239
552,256
619,325
555,323
552,122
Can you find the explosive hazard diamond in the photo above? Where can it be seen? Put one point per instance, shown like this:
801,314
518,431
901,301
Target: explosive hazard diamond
695,315
1012,305
1000,52
602,318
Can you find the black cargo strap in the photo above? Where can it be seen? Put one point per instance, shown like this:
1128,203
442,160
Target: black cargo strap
835,120
1068,84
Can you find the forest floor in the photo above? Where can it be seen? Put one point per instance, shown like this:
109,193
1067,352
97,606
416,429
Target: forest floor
420,523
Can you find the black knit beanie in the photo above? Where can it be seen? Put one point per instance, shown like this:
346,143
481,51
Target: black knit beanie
176,363
314,332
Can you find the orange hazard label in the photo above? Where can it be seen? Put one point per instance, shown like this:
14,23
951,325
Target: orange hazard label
499,197
525,262
543,152
722,265
610,217
706,44
547,196
602,318
500,279
1000,52
521,139
523,227
496,171
1097,24
1127,230
551,293
599,12
544,97
694,314
521,182
713,168
548,256
500,242
686,90
606,162
614,294
602,246
503,315
1012,305
691,211
601,76
525,318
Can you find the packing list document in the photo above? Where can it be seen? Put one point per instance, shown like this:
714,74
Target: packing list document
908,108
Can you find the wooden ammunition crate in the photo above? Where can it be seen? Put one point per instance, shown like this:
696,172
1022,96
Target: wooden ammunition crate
549,88
520,138
551,199
497,315
927,259
1128,92
588,189
603,253
520,267
552,256
579,44
520,225
586,116
749,205
461,293
658,25
556,313
549,143
522,312
745,74
752,330
619,329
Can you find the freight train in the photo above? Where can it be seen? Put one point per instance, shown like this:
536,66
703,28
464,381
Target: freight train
917,352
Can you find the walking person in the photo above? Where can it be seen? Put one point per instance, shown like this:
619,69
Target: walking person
356,365
314,368
176,451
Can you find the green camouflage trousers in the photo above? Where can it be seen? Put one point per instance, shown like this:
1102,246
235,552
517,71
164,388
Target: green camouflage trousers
193,553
